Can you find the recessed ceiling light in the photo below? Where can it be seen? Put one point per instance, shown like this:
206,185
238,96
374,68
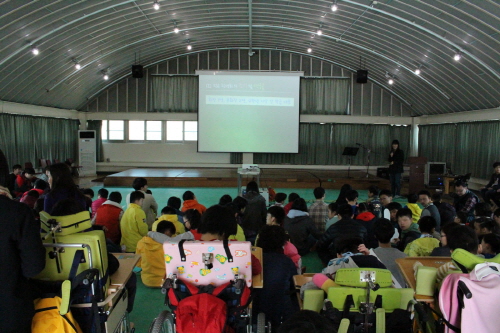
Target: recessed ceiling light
35,50
156,5
309,50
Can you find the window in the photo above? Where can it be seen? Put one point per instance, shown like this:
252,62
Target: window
153,130
136,130
104,130
190,130
182,130
116,130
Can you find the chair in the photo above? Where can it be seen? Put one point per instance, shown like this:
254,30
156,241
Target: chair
28,165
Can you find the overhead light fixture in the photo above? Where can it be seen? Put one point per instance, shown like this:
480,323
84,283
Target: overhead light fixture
319,32
309,50
418,70
35,50
334,6
391,81
189,47
156,5
105,74
457,56
390,78
77,64
176,30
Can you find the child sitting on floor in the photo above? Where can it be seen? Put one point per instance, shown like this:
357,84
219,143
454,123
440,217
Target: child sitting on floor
490,245
424,245
409,230
170,214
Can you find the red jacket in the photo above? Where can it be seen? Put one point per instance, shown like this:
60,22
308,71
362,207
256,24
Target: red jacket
193,204
108,215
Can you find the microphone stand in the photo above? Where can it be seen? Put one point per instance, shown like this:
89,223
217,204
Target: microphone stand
368,150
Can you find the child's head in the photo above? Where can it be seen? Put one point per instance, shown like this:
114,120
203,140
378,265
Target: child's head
404,217
347,244
192,219
275,216
168,211
88,192
319,193
34,194
412,198
280,197
385,197
460,218
344,211
364,207
166,227
424,197
140,184
352,196
241,203
490,244
29,173
427,225
17,169
225,199
383,230
445,230
252,186
102,193
218,220
496,167
293,196
373,191
174,202
393,208
115,197
462,237
188,195
137,197
496,216
299,204
148,191
41,184
487,226
332,210
272,238
436,198
483,209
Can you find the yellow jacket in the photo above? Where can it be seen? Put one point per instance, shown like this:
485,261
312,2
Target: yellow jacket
152,262
179,227
133,226
240,235
416,211
421,247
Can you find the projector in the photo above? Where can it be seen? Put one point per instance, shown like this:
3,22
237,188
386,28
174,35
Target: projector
250,166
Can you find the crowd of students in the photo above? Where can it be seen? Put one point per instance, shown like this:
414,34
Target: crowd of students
367,234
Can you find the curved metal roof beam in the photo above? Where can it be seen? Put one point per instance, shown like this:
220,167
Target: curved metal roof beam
258,26
245,48
456,46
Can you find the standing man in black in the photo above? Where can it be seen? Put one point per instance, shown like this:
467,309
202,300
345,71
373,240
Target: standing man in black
396,158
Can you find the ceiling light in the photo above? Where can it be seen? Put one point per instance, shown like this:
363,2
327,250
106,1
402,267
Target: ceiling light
189,47
417,71
319,32
391,81
334,6
105,74
35,50
156,5
105,77
77,64
457,56
309,50
176,30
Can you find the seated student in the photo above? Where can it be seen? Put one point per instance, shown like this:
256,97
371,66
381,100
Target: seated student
225,199
496,216
279,199
393,208
45,174
240,234
345,227
490,245
276,216
217,224
385,197
332,215
190,202
460,218
424,245
102,196
108,215
414,207
446,211
192,221
10,182
409,230
352,200
485,225
133,222
373,192
274,298
303,233
40,186
169,214
444,249
88,194
175,203
483,209
149,204
30,198
367,219
465,200
491,192
24,181
387,254
152,261
425,199
460,237
291,199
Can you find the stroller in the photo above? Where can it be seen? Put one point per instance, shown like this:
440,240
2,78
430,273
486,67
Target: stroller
210,292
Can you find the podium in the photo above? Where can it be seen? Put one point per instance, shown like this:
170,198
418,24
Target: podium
417,173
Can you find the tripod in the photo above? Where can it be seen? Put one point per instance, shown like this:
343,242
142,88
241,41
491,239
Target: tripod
368,150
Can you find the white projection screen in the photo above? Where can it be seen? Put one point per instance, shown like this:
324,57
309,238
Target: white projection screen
248,112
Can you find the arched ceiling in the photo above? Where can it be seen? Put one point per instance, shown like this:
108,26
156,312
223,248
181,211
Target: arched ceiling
392,36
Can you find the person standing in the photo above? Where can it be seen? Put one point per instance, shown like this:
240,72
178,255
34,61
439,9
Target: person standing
396,158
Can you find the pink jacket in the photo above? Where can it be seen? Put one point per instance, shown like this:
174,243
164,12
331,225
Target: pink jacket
96,204
291,252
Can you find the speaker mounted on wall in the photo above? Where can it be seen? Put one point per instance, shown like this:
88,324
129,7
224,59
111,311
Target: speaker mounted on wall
137,71
362,76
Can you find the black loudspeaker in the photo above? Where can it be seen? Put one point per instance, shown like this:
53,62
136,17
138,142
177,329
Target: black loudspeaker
137,71
362,76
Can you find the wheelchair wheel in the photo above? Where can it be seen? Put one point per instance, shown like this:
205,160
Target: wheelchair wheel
164,323
261,323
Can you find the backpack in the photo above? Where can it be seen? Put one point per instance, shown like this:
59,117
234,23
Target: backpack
201,313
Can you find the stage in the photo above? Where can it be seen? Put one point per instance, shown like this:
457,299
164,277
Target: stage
228,177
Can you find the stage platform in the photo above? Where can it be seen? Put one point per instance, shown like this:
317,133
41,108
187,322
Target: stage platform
228,177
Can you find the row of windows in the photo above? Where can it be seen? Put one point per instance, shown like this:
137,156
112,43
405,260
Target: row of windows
149,130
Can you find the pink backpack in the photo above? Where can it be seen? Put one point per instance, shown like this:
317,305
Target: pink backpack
470,302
